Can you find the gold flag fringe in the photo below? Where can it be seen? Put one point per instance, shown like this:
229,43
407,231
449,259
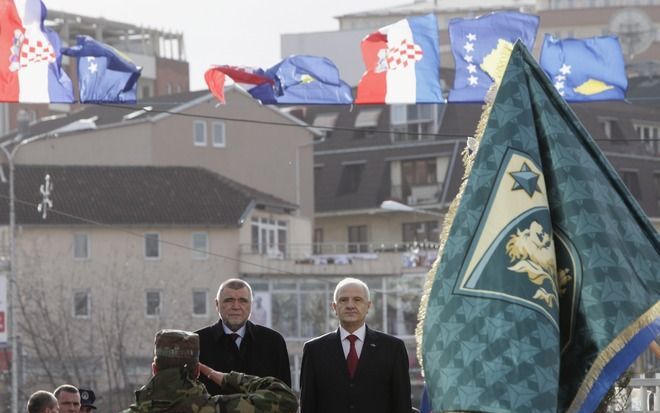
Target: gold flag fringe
469,154
608,353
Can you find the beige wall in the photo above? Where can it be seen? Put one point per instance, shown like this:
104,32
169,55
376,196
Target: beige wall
260,156
126,145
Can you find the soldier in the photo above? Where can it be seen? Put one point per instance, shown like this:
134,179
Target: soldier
174,386
42,402
87,398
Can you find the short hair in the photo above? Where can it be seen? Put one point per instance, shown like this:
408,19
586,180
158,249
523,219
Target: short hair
234,284
65,388
350,281
40,401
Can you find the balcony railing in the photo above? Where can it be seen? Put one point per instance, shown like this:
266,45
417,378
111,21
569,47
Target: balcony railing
417,194
339,258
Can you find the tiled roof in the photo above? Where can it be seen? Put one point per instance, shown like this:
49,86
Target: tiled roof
132,195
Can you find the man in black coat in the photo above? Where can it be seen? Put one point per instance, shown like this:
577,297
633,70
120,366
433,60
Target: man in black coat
236,344
354,369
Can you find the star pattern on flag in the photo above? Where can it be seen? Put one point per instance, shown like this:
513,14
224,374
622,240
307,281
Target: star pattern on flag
469,58
93,67
559,80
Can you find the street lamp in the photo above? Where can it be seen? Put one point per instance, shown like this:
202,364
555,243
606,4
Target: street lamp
18,142
398,206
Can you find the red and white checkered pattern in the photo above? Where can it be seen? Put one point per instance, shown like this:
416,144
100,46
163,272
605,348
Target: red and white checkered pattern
36,51
406,53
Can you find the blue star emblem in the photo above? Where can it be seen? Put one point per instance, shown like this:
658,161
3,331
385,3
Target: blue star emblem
526,179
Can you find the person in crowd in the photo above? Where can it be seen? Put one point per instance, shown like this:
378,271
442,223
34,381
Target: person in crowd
87,399
355,368
236,344
68,398
175,387
42,402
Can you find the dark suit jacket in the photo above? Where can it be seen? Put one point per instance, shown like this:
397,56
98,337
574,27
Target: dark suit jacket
263,353
381,383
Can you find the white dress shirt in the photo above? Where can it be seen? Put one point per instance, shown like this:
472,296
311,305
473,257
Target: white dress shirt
346,345
240,332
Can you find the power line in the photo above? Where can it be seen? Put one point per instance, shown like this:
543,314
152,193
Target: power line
135,234
332,128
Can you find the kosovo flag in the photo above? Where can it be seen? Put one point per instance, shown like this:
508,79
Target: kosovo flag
585,70
477,44
547,284
105,75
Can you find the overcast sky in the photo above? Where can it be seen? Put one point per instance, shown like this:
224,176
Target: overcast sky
240,32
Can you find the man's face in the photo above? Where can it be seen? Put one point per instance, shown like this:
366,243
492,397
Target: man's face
69,402
351,307
234,307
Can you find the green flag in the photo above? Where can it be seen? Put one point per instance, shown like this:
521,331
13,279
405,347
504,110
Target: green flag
547,284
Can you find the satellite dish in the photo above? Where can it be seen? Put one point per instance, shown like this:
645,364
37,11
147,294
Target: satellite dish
635,30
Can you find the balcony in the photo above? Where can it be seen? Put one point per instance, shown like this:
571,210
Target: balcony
418,194
338,259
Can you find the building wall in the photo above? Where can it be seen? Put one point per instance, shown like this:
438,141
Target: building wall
172,76
126,145
262,156
61,347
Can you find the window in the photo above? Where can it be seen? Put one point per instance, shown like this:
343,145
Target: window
200,302
318,241
656,181
199,132
269,237
151,245
82,306
80,246
351,175
612,130
219,134
428,231
631,179
152,303
317,175
326,121
357,239
366,122
200,245
409,122
650,135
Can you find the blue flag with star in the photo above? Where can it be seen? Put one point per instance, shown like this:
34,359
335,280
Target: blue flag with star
546,288
476,43
585,70
105,75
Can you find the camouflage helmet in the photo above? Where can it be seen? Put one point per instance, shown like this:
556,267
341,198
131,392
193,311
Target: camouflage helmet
176,348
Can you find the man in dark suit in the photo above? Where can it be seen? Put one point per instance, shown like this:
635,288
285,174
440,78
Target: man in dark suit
236,344
354,369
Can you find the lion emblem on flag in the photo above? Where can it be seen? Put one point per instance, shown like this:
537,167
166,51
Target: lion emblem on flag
532,252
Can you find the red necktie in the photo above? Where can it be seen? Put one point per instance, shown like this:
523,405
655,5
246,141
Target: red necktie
352,359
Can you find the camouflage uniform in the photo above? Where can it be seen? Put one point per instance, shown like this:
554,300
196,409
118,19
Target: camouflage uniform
172,389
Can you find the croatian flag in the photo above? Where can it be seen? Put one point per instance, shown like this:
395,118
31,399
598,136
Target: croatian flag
402,62
30,59
215,78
